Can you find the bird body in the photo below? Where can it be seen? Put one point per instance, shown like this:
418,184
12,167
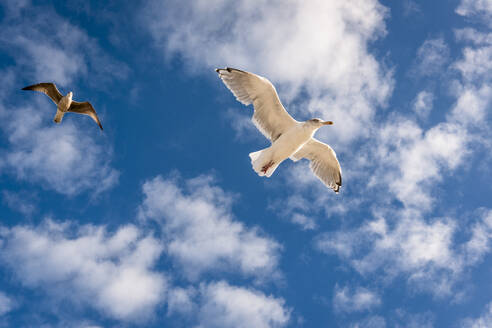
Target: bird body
267,160
62,107
289,138
65,103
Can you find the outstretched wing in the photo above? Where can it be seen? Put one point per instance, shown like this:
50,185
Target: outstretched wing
270,117
47,88
324,163
85,108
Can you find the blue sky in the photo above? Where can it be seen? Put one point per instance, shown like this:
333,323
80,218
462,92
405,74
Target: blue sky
160,221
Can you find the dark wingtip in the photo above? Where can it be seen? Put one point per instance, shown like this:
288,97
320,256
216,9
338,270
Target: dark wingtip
101,127
217,70
26,88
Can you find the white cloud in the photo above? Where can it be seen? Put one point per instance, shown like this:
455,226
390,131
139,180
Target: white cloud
201,231
320,47
422,105
472,105
6,304
358,299
229,306
476,8
476,63
481,237
432,57
59,157
305,222
481,322
413,160
86,265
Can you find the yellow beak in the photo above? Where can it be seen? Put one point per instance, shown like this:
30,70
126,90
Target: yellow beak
327,123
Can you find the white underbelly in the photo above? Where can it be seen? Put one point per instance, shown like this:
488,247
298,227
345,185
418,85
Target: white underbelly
289,143
64,104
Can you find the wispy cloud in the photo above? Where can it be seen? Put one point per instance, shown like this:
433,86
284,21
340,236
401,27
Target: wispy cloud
425,252
22,202
482,321
476,8
469,34
357,299
422,105
48,47
6,304
432,57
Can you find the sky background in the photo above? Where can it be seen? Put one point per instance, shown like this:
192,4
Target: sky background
160,221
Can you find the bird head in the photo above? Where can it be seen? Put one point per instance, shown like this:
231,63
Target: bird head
317,123
70,94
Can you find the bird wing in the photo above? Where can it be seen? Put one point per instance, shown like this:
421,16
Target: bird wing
84,108
324,163
47,88
270,117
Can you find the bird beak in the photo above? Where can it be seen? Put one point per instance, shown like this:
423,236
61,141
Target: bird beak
327,123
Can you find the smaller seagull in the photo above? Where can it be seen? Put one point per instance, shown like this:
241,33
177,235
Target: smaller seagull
65,104
289,138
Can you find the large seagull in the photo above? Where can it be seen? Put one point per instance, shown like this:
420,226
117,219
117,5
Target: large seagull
65,103
290,138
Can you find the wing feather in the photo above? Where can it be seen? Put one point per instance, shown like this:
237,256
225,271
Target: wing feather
270,117
324,163
48,89
86,109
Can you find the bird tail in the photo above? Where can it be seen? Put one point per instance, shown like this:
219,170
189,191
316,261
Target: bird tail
260,160
59,116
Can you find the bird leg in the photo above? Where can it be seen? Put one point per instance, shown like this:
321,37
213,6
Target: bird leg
265,168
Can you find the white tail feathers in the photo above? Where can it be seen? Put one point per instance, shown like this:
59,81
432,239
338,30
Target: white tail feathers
59,116
261,161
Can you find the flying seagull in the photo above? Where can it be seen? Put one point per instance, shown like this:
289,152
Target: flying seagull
65,104
290,138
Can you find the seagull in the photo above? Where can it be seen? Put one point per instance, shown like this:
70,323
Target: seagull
65,103
289,138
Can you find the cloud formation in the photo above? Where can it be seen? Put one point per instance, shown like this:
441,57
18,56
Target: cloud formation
202,233
111,272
